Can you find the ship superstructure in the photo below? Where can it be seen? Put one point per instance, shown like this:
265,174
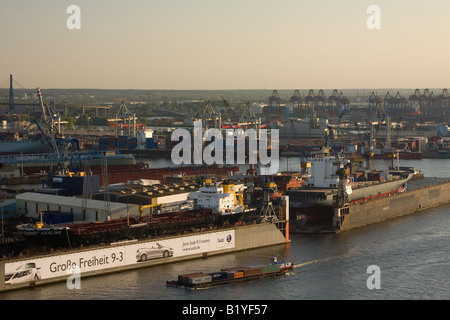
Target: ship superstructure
336,182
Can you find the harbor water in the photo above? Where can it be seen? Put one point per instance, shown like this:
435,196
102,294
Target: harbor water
412,254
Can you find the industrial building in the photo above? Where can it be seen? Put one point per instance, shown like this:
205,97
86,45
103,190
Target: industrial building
152,193
30,204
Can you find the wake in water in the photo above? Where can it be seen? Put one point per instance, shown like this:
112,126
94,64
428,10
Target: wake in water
303,264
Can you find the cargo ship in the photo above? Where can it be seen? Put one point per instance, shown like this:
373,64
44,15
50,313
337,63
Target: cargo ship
119,174
23,146
46,162
314,204
214,209
120,167
231,275
91,233
403,155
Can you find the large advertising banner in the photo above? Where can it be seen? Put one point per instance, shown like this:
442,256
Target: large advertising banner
115,256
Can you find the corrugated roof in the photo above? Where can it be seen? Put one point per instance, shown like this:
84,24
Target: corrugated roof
69,201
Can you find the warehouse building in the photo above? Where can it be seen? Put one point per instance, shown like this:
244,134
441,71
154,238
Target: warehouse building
30,204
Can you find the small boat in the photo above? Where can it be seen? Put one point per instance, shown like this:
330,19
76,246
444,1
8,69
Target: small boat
231,275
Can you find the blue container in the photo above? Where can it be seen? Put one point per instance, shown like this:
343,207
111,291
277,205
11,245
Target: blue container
51,217
221,275
122,142
112,142
103,143
132,143
150,143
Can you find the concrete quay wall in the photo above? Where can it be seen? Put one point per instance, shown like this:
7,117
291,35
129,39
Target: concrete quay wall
415,200
106,259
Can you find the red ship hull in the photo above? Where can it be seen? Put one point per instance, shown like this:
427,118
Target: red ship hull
402,156
120,175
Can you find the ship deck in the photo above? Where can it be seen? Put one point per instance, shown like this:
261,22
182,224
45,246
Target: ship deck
425,182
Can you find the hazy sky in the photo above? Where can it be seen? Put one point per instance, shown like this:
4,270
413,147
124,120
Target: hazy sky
226,44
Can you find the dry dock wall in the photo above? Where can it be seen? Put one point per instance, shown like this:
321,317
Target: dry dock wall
422,198
58,267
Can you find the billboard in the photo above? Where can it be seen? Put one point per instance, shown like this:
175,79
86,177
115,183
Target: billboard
116,256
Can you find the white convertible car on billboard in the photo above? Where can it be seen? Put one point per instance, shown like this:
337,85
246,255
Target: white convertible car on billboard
153,252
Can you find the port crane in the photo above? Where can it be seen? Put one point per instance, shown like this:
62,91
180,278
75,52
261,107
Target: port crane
124,117
210,116
48,119
50,127
251,114
230,110
379,118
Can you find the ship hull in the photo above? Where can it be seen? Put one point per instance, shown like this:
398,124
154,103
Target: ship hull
377,189
123,171
93,233
23,146
401,155
316,209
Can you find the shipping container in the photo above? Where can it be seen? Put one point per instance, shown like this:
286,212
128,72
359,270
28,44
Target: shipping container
271,269
150,143
51,217
122,142
200,279
103,143
235,274
253,272
184,279
220,275
132,143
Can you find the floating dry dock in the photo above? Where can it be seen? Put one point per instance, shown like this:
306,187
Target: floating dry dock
420,194
128,255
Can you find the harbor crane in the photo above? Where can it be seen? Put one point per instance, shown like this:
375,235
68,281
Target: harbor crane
230,110
274,99
50,127
296,100
123,117
210,117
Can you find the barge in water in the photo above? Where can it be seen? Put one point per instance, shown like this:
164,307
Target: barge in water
231,275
